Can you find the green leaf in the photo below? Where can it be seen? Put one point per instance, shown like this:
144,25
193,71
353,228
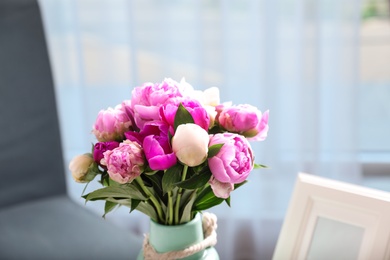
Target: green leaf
182,117
204,194
185,197
123,202
238,185
196,181
208,204
199,168
107,181
186,215
259,166
156,181
130,203
108,207
206,199
93,169
215,130
142,206
149,171
85,188
104,179
122,191
148,210
228,201
171,177
214,150
134,204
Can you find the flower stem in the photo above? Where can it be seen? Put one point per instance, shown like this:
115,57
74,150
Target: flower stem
179,193
170,208
152,198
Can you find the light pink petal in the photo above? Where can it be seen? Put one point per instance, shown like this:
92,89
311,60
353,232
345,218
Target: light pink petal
221,189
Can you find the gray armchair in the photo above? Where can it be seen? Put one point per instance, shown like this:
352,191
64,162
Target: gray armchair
37,218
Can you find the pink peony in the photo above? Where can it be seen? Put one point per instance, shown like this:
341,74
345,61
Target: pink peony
111,124
246,120
127,108
148,98
125,162
233,163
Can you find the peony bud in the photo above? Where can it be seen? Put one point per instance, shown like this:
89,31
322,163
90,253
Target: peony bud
111,124
190,144
246,120
80,167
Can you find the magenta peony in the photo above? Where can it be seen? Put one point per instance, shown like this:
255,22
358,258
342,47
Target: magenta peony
157,148
158,152
198,112
101,147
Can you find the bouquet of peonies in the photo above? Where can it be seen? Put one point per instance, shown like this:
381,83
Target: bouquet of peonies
171,151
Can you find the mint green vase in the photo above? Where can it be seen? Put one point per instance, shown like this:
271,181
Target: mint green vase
172,238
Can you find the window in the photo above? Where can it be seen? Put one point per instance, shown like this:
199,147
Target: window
374,96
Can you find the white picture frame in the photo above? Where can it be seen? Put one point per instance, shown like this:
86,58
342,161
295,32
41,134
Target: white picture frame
328,219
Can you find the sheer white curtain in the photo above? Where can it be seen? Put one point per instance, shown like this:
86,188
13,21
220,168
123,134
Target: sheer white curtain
297,58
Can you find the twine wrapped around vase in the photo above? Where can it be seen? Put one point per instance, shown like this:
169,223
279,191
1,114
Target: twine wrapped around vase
209,224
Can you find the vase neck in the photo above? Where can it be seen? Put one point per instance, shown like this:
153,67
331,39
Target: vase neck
166,238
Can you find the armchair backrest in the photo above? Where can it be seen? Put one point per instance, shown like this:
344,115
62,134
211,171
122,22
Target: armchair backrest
31,162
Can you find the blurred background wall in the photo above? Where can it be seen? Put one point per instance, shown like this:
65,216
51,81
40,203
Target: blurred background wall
322,68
